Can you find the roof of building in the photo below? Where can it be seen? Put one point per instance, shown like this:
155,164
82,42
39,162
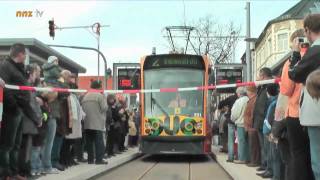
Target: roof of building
46,51
298,11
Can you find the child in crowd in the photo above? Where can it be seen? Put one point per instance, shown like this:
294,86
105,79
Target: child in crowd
132,130
51,70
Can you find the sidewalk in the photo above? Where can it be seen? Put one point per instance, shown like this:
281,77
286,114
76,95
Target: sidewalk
85,171
236,171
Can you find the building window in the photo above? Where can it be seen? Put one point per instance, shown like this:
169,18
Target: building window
269,47
282,42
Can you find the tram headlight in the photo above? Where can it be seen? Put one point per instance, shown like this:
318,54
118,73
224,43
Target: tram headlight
147,125
188,126
199,125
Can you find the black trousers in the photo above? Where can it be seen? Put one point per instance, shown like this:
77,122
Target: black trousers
111,137
122,141
78,148
300,160
24,159
254,147
133,140
95,145
10,141
66,156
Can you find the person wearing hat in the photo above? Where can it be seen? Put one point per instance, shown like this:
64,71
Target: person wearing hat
51,70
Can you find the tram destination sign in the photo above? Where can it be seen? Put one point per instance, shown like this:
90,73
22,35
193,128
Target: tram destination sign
174,60
228,76
128,78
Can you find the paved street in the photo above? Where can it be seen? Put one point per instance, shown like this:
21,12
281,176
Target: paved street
170,167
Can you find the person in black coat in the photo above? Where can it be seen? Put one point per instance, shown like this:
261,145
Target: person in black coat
30,126
111,119
260,111
16,103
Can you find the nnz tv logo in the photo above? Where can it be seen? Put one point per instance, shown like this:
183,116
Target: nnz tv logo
37,13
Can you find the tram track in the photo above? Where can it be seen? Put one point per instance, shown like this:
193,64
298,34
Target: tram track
168,167
147,171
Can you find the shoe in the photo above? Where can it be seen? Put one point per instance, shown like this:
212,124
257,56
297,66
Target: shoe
59,166
18,177
102,162
82,160
261,169
223,151
268,174
51,171
90,162
73,163
252,165
261,173
229,160
239,162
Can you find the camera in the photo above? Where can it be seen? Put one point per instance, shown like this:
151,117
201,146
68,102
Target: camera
302,40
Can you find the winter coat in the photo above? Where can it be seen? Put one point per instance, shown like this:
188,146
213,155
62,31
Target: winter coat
51,72
238,109
132,127
76,116
248,113
14,100
300,68
95,107
109,119
29,126
292,90
270,115
260,108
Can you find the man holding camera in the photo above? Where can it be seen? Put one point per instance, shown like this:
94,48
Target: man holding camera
300,68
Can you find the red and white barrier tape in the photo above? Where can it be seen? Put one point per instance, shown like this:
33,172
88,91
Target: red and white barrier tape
49,89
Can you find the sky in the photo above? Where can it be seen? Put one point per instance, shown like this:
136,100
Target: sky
135,26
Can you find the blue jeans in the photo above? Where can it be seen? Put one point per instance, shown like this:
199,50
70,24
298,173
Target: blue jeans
268,153
36,164
243,146
314,134
278,167
231,129
48,143
56,149
262,150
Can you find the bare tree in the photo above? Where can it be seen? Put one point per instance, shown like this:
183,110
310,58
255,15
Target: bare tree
216,40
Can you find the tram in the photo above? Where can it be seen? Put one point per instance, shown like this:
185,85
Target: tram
174,120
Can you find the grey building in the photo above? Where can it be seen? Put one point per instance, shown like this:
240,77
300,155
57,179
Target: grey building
38,52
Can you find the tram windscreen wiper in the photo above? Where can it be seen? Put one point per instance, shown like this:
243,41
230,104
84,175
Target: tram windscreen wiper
160,107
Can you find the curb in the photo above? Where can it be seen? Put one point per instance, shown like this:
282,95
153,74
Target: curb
85,171
214,157
110,167
235,171
99,170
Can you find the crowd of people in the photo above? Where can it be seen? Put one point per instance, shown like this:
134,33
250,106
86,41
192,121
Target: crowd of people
276,127
48,132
